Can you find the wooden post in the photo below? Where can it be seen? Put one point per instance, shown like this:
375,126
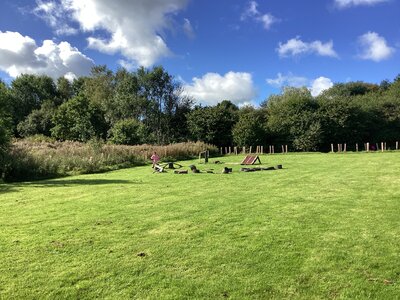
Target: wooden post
250,149
356,147
273,149
286,148
229,149
338,147
385,147
345,147
367,147
244,150
382,147
221,150
332,150
377,146
262,149
397,145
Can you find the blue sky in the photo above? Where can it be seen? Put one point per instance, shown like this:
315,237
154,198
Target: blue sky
225,49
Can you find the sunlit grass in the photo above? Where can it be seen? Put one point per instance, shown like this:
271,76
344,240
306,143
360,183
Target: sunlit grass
325,226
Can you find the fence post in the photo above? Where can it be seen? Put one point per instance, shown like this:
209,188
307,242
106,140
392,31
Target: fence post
345,147
357,147
332,150
244,150
286,148
382,146
397,145
262,149
273,149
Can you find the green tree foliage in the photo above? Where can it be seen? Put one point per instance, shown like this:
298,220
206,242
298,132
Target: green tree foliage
39,121
293,118
29,92
350,89
99,87
164,96
120,105
213,124
126,101
249,130
64,89
5,124
78,119
127,132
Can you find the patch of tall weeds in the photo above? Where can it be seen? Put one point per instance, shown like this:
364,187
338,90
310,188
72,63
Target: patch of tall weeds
32,159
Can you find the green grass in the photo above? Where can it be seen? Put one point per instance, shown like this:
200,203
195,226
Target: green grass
327,226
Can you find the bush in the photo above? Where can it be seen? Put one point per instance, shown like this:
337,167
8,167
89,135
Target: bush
127,132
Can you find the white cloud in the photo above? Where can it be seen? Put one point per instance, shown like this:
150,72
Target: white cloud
188,28
374,47
296,46
252,13
287,80
319,85
20,54
133,28
349,3
213,88
53,14
316,86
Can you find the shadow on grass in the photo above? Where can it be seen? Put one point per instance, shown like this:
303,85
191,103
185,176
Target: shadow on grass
12,187
71,182
6,188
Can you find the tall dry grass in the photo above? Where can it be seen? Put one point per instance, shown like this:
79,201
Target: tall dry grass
32,159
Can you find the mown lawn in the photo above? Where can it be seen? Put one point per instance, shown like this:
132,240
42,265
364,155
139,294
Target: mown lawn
327,226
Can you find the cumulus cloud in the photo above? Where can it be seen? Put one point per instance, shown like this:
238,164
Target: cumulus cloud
374,47
319,85
316,86
133,28
349,3
20,54
296,47
253,13
212,88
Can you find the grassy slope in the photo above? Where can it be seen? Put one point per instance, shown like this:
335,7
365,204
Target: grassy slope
326,226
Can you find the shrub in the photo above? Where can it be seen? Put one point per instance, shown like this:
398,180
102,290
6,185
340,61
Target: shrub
127,132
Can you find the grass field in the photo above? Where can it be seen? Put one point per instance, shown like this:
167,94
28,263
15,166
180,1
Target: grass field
327,226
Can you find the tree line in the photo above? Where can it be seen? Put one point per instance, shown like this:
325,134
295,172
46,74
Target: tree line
150,106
